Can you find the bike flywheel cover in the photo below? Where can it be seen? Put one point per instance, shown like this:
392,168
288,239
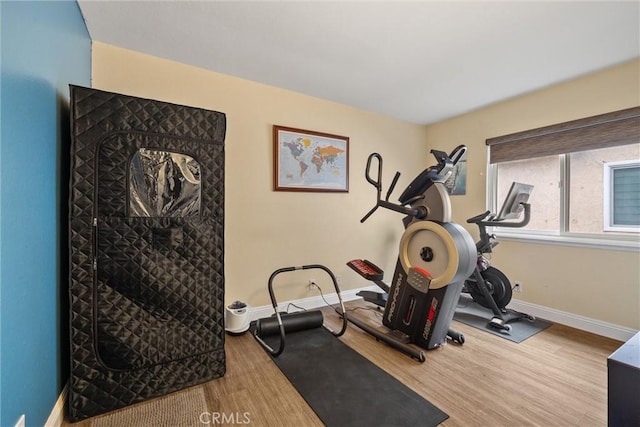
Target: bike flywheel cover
437,248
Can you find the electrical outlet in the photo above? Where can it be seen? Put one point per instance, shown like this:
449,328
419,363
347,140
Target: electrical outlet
517,287
339,280
312,284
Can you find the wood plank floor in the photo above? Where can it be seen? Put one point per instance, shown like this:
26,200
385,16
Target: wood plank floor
555,378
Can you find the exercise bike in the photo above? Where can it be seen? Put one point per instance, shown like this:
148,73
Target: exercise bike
489,286
435,257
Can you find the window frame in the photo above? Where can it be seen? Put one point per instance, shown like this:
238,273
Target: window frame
605,130
607,183
561,237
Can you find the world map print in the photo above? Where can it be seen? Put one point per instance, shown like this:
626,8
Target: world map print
310,161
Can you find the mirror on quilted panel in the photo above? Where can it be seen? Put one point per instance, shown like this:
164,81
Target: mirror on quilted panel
163,184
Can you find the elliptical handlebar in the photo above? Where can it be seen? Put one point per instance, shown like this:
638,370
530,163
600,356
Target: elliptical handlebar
457,153
377,183
436,173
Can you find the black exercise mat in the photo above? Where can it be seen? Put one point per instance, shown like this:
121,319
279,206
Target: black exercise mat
346,389
473,314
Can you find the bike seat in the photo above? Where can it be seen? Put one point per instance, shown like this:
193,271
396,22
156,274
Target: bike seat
478,218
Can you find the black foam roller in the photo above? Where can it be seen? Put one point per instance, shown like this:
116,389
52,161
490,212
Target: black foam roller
292,322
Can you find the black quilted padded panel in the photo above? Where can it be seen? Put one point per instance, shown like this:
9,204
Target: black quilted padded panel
146,293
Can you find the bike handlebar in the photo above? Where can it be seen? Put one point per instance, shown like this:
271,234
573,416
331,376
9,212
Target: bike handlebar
479,219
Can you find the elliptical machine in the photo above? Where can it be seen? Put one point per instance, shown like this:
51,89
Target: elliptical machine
435,258
489,286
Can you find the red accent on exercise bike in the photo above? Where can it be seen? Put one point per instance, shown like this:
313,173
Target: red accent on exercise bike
424,272
366,269
432,313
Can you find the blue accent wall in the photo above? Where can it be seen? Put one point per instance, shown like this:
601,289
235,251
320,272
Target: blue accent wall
45,47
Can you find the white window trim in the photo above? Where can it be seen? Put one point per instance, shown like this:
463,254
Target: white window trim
607,181
593,241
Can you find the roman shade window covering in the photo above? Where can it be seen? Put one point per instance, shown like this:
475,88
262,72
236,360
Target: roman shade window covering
601,131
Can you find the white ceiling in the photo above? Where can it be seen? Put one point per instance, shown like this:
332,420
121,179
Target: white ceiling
418,61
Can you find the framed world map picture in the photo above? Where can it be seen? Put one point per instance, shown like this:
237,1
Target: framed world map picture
304,160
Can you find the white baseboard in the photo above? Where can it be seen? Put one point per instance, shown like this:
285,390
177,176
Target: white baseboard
598,327
307,303
57,413
594,326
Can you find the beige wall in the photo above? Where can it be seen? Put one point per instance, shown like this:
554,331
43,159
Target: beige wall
266,230
596,283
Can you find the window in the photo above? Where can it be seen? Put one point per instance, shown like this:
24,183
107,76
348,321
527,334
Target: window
544,174
163,184
622,196
573,200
